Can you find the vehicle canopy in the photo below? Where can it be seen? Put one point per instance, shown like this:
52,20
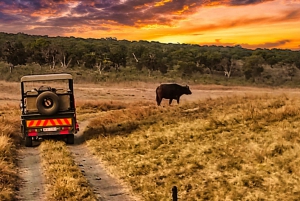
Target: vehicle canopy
61,76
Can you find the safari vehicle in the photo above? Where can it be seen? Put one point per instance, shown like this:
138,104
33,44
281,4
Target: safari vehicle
48,107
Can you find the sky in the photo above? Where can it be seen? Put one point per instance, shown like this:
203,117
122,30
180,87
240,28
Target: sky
249,23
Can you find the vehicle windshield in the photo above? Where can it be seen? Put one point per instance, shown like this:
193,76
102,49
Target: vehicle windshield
36,85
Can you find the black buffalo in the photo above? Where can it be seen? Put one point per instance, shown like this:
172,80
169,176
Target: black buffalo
171,91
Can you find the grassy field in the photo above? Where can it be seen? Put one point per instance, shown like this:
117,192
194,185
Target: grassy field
235,147
230,148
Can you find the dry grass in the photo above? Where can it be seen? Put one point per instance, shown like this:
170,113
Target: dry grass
230,148
63,177
90,109
9,139
124,121
8,173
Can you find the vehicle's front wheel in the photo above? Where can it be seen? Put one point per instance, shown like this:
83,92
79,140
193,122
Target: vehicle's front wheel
70,139
28,141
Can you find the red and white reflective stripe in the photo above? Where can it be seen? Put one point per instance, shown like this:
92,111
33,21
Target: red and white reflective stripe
49,122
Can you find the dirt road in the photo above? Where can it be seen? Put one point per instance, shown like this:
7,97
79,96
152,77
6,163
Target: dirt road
105,186
32,184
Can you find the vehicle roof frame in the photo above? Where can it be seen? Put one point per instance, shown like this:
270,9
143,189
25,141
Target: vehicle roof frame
45,77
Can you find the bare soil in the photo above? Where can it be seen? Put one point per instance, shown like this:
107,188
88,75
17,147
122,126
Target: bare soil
105,186
32,182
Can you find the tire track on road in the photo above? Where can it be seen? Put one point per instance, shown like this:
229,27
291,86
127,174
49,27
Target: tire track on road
105,187
32,182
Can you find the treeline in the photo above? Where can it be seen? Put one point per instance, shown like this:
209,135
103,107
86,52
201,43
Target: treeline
183,60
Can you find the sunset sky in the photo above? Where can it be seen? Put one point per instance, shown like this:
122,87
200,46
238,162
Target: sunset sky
249,23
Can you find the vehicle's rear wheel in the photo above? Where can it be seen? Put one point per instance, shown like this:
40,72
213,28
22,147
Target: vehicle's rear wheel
28,141
70,139
47,103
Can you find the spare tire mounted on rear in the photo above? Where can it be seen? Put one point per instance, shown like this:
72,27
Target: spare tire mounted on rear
47,103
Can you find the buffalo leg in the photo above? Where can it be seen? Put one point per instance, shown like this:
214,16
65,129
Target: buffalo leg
158,103
158,100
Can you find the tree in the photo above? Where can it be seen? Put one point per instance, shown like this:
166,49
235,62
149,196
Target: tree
44,52
296,59
210,60
118,55
228,64
50,54
271,58
187,68
102,60
253,67
37,49
89,60
291,71
297,63
14,54
64,56
150,58
138,51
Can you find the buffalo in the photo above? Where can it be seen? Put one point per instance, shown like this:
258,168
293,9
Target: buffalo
171,91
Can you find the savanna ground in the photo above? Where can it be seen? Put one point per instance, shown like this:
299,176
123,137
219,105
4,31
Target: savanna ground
220,143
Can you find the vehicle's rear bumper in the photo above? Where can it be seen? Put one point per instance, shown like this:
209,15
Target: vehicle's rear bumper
40,134
62,125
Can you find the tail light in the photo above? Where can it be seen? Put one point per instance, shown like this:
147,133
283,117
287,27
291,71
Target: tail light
32,132
77,126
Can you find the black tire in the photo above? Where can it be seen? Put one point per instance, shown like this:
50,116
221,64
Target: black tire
28,141
70,139
47,103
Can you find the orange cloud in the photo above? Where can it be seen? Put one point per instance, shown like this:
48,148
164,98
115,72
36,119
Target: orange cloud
250,22
161,3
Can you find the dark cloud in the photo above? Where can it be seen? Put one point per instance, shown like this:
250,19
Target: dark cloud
277,44
246,2
56,17
129,13
268,45
135,13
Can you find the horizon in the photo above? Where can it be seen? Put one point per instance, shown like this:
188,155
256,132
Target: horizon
151,41
251,24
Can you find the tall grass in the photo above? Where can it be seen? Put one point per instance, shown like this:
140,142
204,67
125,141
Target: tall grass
63,177
9,139
232,148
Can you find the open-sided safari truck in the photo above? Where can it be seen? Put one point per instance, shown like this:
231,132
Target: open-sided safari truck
48,107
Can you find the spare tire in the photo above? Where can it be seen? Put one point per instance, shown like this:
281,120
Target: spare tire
47,103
